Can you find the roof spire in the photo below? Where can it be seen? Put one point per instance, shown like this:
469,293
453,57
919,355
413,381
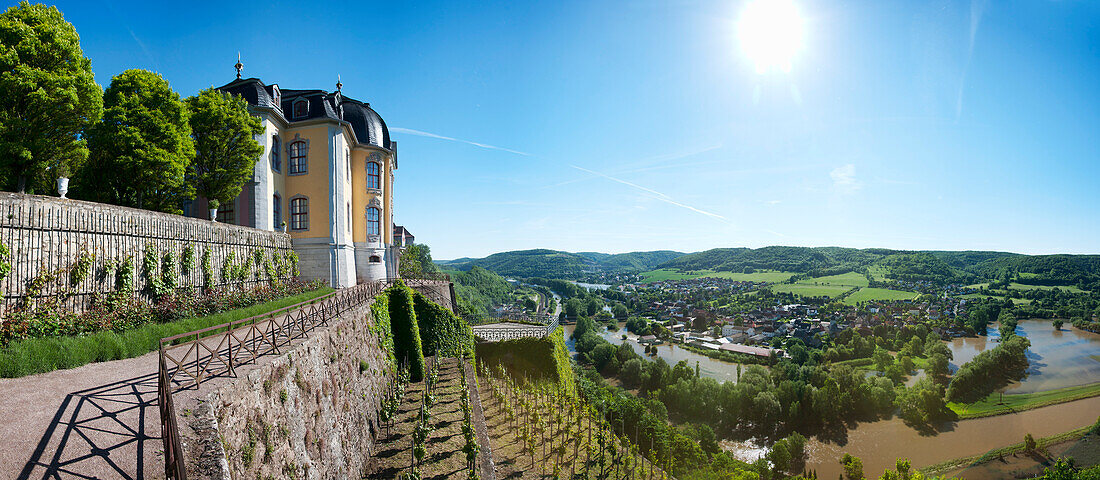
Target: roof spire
239,66
339,85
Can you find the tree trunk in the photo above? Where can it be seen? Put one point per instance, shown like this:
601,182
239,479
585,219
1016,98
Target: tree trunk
22,184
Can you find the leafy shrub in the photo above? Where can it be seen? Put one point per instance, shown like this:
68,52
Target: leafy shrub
406,333
442,332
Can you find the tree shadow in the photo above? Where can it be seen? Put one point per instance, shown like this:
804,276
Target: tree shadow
97,428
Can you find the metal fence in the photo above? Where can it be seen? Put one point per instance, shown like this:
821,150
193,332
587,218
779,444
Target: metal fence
218,350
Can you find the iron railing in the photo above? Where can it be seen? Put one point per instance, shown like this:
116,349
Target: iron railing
217,350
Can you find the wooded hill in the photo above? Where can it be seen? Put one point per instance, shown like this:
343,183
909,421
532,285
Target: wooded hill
939,267
565,265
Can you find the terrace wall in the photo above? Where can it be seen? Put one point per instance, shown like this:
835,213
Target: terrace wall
308,413
46,234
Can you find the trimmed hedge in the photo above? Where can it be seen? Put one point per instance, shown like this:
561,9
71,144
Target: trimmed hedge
406,333
441,331
532,358
380,309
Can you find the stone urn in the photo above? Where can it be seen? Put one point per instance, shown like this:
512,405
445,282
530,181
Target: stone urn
62,186
213,214
283,226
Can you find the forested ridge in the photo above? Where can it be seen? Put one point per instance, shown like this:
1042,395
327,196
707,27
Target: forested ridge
936,267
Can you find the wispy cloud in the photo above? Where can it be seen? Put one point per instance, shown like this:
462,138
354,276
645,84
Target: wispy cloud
452,139
844,179
654,194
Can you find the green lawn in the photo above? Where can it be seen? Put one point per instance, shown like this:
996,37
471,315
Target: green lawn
850,279
40,355
995,405
672,274
957,463
830,291
869,293
1021,286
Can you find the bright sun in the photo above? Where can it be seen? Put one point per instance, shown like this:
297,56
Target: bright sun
771,33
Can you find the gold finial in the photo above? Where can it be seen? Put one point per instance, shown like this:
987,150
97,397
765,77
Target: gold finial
239,65
338,84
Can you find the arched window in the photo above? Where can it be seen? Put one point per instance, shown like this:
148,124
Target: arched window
276,212
301,109
375,259
299,213
373,221
298,162
276,161
374,175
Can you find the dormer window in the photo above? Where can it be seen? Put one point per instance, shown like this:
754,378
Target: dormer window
301,108
276,96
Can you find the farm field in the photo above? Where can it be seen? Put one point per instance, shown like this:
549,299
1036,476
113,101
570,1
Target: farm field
672,274
831,291
869,293
850,279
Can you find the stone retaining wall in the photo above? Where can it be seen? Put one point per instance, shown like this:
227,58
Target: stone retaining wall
309,413
46,234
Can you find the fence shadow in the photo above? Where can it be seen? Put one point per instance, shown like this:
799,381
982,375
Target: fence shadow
100,432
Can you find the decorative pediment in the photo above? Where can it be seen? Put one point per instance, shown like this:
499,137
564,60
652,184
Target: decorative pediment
374,202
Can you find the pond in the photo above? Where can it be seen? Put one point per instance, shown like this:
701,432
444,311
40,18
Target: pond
708,367
1058,358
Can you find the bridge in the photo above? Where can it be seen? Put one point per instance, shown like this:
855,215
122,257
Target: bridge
503,329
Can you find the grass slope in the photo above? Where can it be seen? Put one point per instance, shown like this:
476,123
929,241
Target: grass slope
870,293
830,291
994,405
768,276
850,279
40,355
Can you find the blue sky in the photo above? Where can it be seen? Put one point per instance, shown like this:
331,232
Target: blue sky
620,126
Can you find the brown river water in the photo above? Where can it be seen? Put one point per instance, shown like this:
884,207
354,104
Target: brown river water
1058,359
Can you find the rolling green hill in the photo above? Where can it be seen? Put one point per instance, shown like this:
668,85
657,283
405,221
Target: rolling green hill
562,265
883,265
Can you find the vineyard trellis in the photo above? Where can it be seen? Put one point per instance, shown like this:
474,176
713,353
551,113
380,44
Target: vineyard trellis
548,423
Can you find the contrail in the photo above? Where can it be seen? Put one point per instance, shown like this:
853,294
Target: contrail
441,137
658,195
624,182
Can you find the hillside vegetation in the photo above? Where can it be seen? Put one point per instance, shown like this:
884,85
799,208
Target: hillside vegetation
564,265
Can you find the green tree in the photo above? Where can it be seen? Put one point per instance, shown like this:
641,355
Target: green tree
620,311
48,96
142,147
882,359
416,259
1058,322
853,467
225,146
938,367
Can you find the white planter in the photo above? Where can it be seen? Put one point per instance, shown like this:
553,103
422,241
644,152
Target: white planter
213,214
62,186
284,228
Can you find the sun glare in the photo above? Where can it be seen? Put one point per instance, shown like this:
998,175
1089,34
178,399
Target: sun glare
771,34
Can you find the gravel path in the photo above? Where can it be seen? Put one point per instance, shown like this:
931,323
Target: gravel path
96,421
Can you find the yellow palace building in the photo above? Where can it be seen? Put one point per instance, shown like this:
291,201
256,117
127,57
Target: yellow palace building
327,172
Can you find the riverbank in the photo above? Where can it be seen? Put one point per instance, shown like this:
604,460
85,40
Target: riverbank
996,404
1042,445
880,443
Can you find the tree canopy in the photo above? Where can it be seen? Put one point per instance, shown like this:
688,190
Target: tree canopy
142,147
47,97
225,146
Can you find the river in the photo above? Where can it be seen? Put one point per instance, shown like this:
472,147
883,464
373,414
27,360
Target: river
708,367
1059,358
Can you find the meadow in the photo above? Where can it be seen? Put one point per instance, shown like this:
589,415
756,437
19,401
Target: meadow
663,274
831,291
850,279
871,294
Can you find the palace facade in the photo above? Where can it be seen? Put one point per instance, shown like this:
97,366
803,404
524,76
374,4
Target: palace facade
325,176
